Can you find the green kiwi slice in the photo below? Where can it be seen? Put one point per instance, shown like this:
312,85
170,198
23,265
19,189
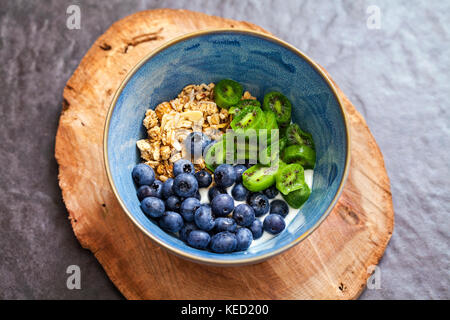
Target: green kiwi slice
270,155
250,117
304,155
280,105
283,130
298,197
247,151
248,102
270,124
290,177
215,155
234,110
258,177
218,153
227,93
271,120
296,135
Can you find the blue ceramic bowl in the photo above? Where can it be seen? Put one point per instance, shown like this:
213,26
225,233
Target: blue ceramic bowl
261,63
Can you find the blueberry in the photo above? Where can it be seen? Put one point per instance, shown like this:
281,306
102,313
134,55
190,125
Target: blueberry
256,228
244,215
173,203
279,207
188,208
198,239
204,219
222,205
153,207
204,178
198,196
215,191
239,169
196,142
223,242
154,190
171,221
239,192
143,174
185,185
167,190
225,224
259,203
187,228
274,223
271,192
143,192
244,239
183,166
224,175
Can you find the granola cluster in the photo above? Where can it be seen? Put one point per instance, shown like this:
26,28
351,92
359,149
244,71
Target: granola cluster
171,122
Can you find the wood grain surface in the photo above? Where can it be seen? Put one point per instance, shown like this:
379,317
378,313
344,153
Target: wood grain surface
332,263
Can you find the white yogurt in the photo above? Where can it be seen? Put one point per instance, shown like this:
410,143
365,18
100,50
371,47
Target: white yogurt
288,219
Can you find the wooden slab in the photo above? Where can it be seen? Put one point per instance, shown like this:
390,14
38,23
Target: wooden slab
330,264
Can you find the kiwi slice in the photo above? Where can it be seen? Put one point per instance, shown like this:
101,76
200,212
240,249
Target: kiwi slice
247,151
283,130
250,117
215,155
218,153
270,124
282,143
290,177
280,105
295,135
234,110
248,102
304,155
258,177
271,120
271,155
298,197
227,93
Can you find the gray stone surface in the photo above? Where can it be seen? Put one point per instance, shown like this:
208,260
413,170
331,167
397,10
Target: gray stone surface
397,76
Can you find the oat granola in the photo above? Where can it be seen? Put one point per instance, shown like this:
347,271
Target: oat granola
172,121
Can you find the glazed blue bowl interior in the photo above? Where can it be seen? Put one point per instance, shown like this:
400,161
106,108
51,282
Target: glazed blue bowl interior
261,65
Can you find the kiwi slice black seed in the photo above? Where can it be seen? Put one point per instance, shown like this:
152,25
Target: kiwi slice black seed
304,155
227,93
295,135
290,177
280,105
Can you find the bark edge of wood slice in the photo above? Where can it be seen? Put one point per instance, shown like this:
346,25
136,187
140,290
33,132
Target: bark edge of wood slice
332,263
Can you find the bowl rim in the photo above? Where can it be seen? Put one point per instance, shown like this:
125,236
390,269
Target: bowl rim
175,250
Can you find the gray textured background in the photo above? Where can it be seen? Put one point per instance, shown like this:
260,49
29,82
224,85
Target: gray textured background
398,77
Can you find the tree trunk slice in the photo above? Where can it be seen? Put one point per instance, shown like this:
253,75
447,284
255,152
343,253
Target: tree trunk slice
332,263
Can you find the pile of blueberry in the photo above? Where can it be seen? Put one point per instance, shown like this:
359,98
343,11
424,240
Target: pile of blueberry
218,226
